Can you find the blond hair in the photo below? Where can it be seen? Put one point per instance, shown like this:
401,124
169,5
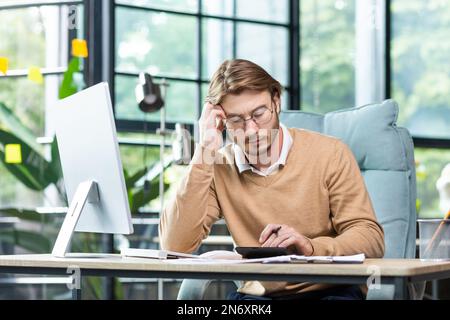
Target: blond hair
235,76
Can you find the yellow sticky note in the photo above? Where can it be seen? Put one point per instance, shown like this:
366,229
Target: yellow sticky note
79,48
35,75
13,153
3,64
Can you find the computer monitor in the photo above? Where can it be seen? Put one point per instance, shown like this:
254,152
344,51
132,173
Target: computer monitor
91,165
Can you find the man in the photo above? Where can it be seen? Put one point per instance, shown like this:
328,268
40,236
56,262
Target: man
274,186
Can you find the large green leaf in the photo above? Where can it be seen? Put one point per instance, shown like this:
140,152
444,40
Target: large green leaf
138,196
56,168
128,186
95,288
21,213
119,290
23,175
141,196
55,162
130,181
8,236
70,83
9,121
34,170
33,241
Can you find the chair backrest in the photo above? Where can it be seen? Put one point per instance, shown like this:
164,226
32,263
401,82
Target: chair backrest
385,154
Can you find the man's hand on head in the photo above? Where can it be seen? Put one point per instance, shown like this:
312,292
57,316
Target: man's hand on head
283,236
211,126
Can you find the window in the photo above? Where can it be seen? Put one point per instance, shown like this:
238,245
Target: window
420,78
150,41
217,45
32,35
420,66
176,5
327,43
181,95
270,51
430,163
185,41
265,10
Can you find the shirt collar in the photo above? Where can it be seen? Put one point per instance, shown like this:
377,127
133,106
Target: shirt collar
243,165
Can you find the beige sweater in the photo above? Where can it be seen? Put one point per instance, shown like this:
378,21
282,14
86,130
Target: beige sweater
319,192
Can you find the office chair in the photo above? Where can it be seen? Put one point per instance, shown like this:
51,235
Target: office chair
385,155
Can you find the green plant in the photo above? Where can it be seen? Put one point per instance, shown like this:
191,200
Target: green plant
72,81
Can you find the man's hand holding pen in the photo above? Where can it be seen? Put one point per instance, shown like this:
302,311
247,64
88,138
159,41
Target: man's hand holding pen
283,236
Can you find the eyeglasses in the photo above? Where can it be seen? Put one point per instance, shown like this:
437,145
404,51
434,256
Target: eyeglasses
260,116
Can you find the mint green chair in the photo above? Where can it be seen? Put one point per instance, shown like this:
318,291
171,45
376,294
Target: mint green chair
385,155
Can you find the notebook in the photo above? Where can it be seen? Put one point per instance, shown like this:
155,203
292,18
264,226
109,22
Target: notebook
166,254
154,254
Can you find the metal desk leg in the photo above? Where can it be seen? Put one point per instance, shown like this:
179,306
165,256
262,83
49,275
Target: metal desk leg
76,294
75,286
435,289
401,288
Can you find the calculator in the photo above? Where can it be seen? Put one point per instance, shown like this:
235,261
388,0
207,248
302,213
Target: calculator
261,252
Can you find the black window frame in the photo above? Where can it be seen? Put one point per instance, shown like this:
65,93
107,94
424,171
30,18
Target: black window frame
72,34
419,142
99,26
293,88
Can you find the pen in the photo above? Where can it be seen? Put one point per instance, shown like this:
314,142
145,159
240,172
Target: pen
434,242
276,231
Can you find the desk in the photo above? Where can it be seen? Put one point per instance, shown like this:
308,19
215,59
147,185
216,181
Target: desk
399,272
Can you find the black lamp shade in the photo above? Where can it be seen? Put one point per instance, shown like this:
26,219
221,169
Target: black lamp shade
148,94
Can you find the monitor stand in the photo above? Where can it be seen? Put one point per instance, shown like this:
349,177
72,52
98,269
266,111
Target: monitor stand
87,191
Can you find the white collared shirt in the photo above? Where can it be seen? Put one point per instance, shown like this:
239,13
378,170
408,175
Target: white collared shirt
242,162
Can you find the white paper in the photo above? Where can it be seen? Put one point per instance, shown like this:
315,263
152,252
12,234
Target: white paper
280,259
358,258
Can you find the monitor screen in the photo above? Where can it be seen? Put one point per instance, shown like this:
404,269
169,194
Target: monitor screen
88,148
